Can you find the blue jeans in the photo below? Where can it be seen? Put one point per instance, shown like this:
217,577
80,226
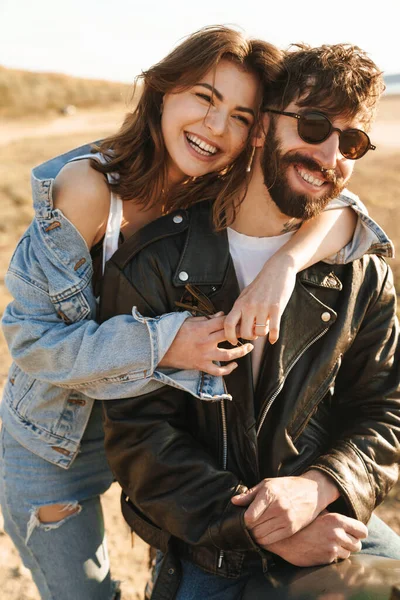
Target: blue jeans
197,584
68,558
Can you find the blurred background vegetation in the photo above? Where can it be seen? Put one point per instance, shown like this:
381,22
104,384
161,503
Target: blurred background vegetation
25,93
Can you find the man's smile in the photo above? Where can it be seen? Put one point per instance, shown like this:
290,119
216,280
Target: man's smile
311,179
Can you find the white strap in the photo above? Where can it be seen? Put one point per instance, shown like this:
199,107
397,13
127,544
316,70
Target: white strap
111,238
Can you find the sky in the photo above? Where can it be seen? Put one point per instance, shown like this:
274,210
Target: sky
116,39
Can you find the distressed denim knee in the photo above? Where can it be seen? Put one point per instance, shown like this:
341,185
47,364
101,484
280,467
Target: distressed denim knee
40,518
65,549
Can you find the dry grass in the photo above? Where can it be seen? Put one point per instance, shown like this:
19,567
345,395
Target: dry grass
377,181
28,93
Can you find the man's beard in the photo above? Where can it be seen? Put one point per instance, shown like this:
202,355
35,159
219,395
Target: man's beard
291,203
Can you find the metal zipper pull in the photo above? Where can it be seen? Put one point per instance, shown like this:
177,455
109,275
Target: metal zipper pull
220,559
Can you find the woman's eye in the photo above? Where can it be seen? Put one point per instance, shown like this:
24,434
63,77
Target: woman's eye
205,97
242,119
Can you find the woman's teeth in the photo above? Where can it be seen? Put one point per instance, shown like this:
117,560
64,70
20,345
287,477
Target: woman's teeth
200,146
309,178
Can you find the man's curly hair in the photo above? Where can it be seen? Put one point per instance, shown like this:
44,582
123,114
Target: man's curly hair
338,78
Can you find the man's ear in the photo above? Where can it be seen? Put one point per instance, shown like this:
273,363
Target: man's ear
258,137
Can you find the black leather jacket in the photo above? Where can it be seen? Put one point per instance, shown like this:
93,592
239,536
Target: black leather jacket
327,395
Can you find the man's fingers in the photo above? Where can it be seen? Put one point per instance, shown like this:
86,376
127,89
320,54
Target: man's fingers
350,543
266,538
354,527
246,498
342,553
267,530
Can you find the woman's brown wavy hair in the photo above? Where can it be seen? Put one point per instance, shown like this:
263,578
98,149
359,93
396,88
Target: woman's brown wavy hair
137,153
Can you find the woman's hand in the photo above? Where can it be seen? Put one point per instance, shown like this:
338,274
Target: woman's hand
265,299
263,302
196,347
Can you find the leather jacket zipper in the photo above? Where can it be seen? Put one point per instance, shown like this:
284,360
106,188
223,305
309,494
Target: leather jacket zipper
205,307
224,458
279,389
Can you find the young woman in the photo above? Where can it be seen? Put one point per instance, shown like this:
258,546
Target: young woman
190,134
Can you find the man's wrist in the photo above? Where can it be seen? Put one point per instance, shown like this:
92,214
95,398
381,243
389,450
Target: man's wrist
327,490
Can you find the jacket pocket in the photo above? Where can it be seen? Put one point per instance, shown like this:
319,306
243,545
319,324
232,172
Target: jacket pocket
72,309
150,533
17,388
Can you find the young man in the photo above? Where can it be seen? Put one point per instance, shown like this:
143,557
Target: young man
313,424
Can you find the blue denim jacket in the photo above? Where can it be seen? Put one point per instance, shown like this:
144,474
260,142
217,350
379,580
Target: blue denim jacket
62,358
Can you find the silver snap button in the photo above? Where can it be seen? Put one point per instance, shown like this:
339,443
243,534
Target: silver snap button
326,317
171,571
183,276
177,219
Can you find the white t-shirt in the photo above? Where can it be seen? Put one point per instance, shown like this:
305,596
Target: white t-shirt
249,254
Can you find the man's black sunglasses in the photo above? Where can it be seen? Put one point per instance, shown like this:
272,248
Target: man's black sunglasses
314,128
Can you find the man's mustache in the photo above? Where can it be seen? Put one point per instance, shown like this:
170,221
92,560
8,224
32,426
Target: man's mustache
329,175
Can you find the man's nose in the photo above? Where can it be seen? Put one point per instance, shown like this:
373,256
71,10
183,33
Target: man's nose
216,121
328,153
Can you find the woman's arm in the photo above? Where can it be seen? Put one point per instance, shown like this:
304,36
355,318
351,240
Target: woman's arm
265,299
116,358
83,196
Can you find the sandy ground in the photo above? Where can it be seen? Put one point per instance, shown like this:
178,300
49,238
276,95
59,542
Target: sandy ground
82,121
28,142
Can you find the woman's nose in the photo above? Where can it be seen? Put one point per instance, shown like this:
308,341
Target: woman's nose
215,120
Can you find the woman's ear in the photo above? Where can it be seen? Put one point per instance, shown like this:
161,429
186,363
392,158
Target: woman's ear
258,137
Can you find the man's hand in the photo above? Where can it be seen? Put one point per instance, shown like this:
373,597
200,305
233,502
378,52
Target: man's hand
196,347
279,507
330,537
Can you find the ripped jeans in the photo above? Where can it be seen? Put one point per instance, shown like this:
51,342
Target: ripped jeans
68,558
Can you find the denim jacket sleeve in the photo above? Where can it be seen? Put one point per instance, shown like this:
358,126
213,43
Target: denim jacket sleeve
52,335
368,238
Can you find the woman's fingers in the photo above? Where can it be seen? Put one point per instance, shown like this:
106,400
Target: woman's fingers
247,329
254,322
230,325
261,326
219,371
217,337
228,354
196,347
275,315
258,310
